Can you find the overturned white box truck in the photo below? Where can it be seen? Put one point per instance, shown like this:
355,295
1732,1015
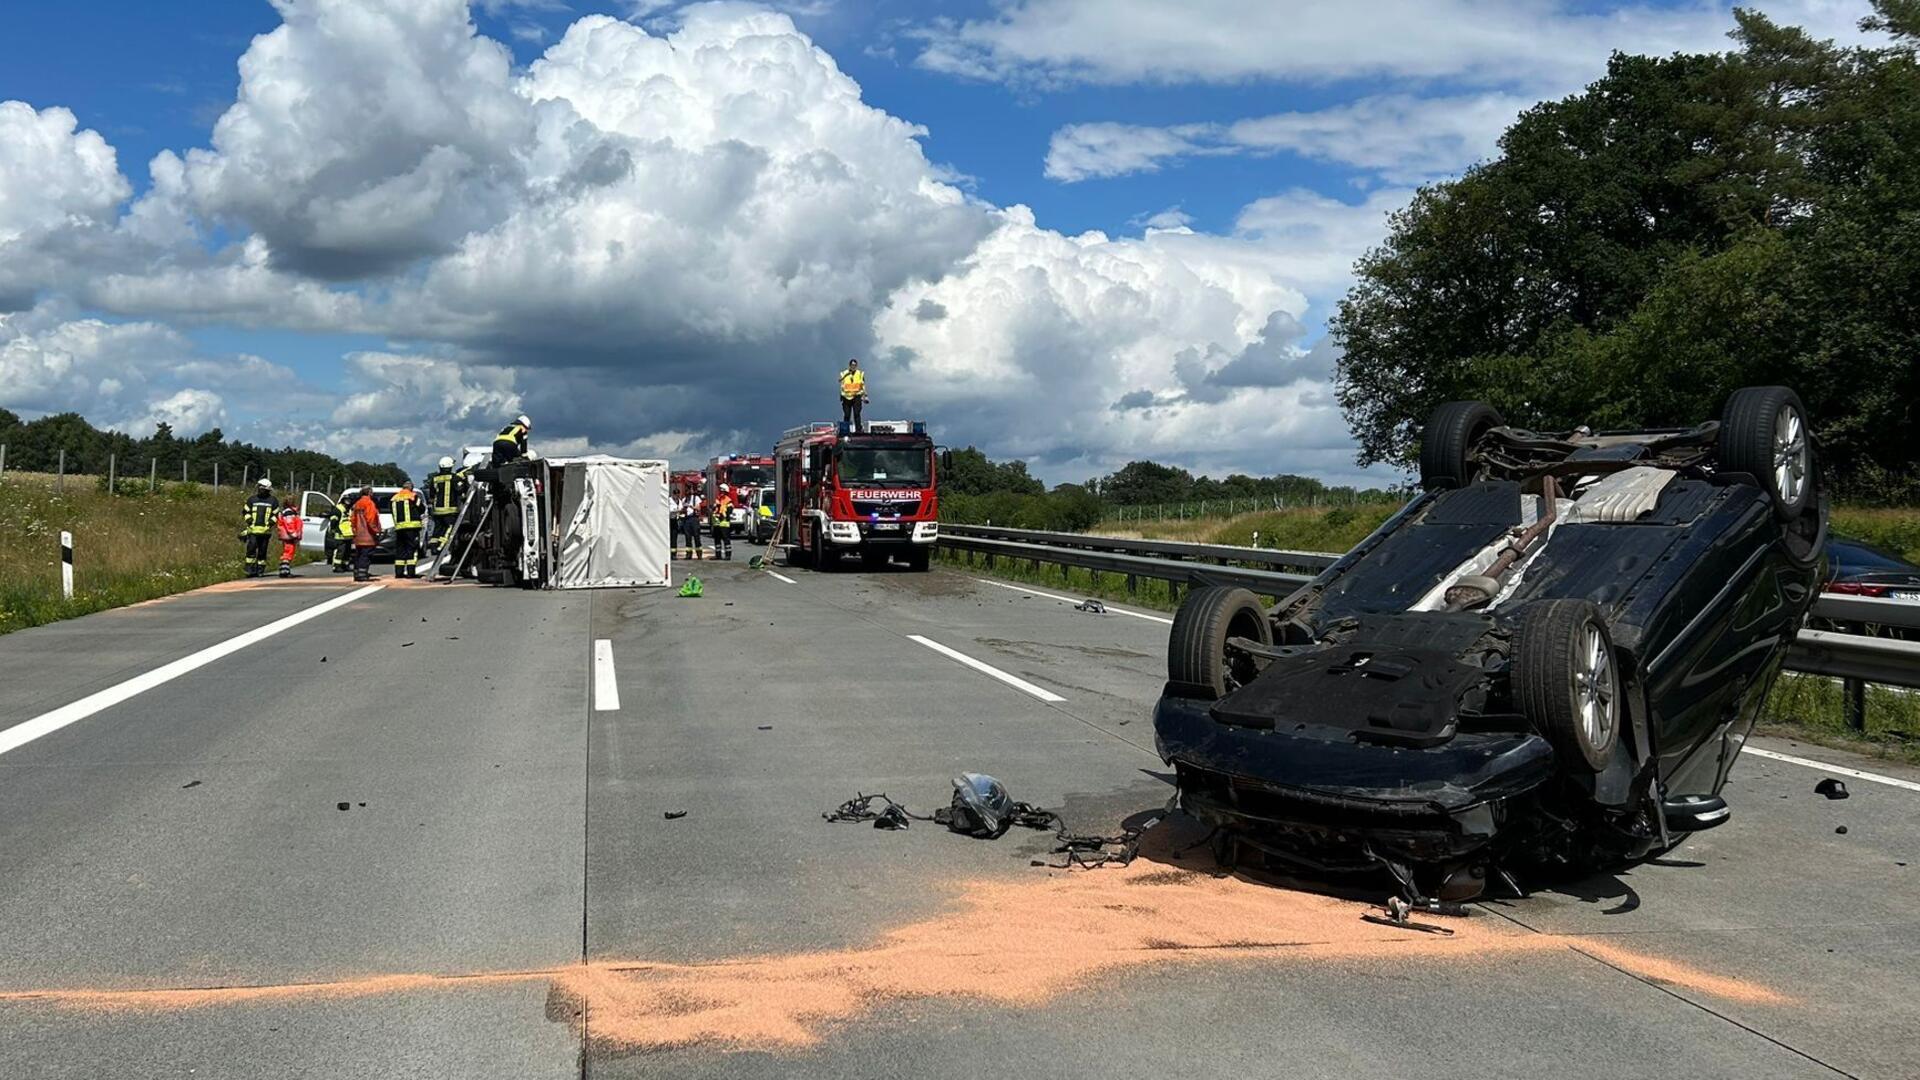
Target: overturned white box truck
564,523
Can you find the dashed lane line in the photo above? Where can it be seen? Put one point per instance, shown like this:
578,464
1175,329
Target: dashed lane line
1071,600
1014,681
606,690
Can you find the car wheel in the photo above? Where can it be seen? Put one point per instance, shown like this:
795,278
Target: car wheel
1450,434
919,559
1567,681
1197,649
1763,433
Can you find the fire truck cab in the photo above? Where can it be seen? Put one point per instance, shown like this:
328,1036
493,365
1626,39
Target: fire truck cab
741,473
869,493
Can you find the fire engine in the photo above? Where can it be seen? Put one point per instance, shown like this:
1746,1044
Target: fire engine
741,473
869,493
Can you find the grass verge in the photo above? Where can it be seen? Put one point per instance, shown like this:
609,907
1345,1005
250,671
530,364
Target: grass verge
128,548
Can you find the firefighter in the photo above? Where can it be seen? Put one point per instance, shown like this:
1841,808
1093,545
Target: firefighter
256,520
289,527
722,521
853,394
690,523
340,530
364,521
511,443
407,523
446,490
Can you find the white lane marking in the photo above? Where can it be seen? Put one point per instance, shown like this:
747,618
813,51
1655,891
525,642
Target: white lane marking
606,692
783,577
1071,600
47,723
1014,681
1890,781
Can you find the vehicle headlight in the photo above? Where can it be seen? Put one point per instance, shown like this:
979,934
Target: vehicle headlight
845,532
926,531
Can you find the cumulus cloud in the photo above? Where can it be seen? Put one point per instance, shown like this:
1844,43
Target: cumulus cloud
668,237
1483,42
59,188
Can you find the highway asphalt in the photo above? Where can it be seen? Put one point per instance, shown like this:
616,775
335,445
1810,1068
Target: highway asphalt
525,885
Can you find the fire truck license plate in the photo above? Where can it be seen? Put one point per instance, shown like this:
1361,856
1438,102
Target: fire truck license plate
888,525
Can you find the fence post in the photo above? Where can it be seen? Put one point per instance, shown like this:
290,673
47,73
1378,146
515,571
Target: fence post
66,565
246,473
3,459
60,474
330,488
1856,705
153,475
113,473
216,476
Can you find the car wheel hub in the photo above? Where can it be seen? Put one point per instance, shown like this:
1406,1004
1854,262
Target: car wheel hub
1594,690
1789,454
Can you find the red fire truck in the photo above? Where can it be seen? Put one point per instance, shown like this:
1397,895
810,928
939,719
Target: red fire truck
868,493
688,480
741,473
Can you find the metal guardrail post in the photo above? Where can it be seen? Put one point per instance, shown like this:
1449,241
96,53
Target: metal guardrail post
1856,708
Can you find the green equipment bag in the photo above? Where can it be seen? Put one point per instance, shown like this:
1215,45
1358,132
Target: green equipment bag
690,587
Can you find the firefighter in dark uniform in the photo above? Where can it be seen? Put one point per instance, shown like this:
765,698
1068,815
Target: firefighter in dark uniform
340,528
446,490
511,443
407,523
722,522
256,522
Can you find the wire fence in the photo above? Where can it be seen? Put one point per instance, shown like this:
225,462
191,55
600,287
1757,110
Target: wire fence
116,475
1226,508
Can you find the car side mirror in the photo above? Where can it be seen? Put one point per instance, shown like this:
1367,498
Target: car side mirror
946,461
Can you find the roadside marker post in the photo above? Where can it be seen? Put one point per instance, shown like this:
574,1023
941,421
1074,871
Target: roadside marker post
112,474
60,473
66,565
153,475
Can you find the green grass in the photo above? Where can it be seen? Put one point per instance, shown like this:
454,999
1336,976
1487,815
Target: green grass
127,549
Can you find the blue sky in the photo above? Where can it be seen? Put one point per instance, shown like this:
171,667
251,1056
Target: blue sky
393,244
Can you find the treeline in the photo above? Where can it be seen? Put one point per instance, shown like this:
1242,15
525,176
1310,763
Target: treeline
1686,226
975,490
36,446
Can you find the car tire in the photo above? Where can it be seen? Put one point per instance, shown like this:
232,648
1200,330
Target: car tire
919,559
1566,679
1451,431
1763,433
1197,648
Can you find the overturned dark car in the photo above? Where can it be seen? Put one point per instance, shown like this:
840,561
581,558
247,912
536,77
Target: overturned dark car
1547,661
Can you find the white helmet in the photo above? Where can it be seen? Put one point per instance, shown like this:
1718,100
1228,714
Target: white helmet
446,463
523,421
265,484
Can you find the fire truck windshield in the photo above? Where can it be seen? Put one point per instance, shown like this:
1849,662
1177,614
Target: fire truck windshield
886,466
749,476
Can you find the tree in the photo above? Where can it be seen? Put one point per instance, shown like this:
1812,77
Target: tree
1146,482
1685,226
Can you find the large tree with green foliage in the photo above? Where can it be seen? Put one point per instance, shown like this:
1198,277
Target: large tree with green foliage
1686,226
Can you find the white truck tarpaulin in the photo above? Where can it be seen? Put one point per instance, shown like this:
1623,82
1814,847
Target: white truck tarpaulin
612,523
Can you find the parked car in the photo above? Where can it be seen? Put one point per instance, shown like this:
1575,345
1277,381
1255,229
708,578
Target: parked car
1549,659
1859,569
315,506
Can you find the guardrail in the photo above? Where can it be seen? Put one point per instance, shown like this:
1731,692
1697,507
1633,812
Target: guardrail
1854,657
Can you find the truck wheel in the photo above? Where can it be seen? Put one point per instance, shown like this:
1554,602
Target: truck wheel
1565,679
1197,649
1763,433
919,559
823,559
1450,434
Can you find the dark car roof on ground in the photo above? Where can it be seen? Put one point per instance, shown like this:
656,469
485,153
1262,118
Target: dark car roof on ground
1848,557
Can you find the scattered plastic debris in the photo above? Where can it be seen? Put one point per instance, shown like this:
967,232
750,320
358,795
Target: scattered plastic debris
1840,830
1831,788
190,783
406,644
766,727
1091,606
672,815
342,806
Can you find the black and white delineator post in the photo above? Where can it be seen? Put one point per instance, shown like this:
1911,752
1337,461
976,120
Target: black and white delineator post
66,565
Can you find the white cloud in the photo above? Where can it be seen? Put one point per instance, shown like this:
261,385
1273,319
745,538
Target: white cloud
1085,151
59,186
1481,42
671,241
186,412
